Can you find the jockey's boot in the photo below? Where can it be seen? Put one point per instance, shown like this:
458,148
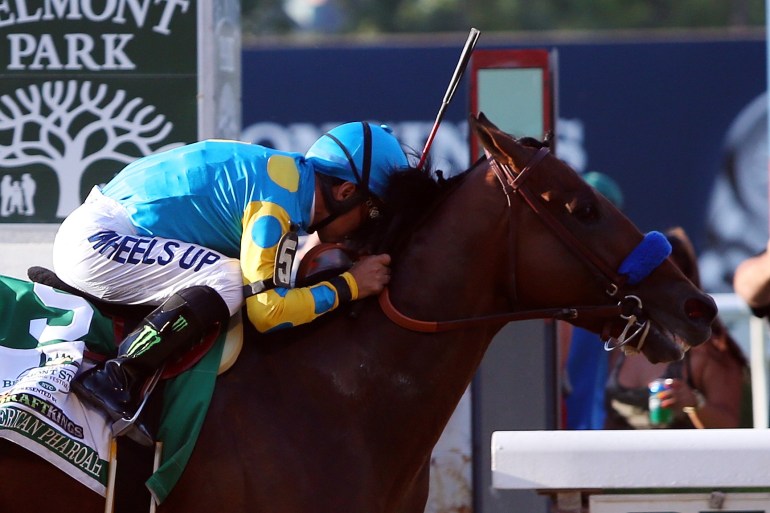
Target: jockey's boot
175,326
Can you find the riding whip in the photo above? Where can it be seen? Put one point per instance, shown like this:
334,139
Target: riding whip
465,56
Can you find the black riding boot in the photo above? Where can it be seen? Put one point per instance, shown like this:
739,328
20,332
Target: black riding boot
172,328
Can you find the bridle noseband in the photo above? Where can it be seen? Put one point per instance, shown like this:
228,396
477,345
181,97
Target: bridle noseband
629,307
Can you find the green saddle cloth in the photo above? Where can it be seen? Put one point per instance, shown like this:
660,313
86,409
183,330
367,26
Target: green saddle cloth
185,403
60,316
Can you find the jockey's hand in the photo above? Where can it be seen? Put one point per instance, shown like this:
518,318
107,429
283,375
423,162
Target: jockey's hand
372,274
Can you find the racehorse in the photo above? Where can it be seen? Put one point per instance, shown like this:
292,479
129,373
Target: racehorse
342,414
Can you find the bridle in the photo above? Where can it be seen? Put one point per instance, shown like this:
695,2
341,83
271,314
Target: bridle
629,307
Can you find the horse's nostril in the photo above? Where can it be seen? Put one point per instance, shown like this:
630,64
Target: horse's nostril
700,310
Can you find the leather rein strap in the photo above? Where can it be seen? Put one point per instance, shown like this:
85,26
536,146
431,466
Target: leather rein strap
516,183
564,314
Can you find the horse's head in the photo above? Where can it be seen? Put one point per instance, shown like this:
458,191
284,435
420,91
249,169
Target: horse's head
583,252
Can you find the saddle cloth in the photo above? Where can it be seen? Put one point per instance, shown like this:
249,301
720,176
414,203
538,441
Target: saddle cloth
44,334
38,412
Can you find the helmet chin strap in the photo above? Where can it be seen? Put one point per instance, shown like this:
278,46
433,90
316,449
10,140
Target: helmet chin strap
337,208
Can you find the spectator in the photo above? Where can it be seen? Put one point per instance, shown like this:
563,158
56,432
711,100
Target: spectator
752,282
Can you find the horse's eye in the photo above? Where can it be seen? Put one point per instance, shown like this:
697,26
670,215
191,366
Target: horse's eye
586,212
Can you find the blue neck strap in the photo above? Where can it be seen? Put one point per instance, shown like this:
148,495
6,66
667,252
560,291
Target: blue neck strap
645,258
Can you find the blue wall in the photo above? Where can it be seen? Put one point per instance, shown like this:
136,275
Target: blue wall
656,115
653,115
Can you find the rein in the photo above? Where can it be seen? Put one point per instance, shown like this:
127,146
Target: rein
628,308
562,314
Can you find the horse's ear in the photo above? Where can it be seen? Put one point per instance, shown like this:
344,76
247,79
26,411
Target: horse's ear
499,144
482,127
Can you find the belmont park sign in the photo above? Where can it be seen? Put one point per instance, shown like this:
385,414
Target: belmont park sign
88,86
78,51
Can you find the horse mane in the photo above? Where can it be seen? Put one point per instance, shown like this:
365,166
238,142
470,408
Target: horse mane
537,143
409,198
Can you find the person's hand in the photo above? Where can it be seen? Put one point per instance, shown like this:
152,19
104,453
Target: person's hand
679,396
371,274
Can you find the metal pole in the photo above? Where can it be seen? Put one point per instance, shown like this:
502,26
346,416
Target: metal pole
758,361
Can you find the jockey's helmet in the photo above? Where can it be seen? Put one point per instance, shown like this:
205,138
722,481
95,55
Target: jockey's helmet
361,153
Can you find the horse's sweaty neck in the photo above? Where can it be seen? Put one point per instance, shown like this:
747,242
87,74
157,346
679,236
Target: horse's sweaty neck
463,238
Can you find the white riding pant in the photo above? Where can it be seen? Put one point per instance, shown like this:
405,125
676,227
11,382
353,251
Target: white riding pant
98,251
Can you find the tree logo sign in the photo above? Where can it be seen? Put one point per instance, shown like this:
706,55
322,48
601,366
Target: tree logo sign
86,87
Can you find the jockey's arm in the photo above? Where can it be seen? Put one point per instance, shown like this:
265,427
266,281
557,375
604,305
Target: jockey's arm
284,307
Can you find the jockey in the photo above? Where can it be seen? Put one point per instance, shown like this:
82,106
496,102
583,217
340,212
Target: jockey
186,228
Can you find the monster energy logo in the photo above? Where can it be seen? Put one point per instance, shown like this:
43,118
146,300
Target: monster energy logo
146,338
179,324
149,336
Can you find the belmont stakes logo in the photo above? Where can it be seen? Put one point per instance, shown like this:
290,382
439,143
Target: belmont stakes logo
38,412
78,99
35,388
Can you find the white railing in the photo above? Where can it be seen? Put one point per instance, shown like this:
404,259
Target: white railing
657,466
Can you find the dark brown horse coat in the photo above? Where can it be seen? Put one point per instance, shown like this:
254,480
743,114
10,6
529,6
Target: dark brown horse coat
342,415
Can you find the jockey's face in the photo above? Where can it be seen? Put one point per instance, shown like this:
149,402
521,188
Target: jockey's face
345,224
